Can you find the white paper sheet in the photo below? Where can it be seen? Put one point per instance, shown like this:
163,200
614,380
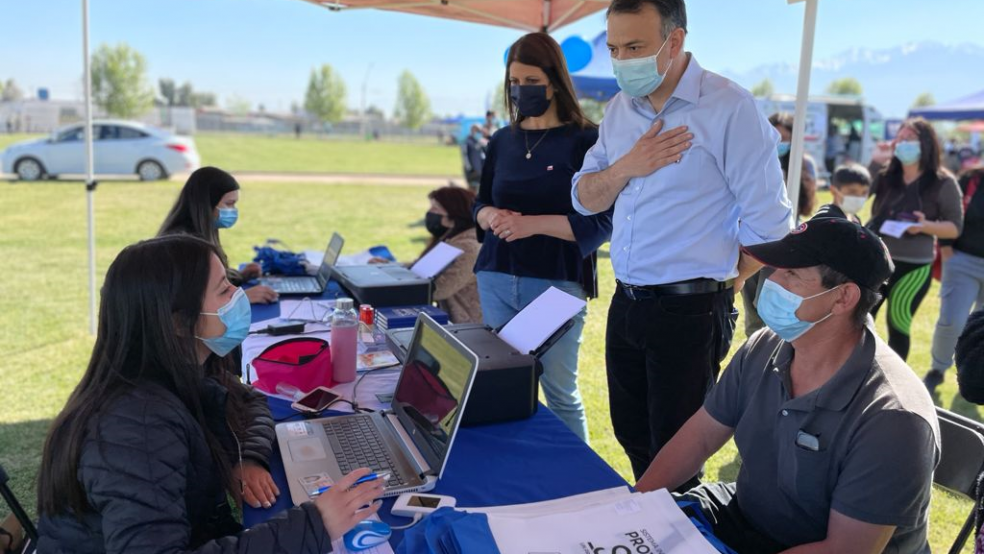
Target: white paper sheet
547,507
436,260
531,327
895,228
650,520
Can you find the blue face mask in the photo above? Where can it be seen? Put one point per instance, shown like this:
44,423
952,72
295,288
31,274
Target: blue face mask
908,152
227,218
640,77
777,308
236,316
783,148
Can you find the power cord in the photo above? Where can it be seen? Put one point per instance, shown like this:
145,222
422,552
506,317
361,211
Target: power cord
416,520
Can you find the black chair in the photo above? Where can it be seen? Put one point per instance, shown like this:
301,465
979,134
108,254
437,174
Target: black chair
31,532
961,462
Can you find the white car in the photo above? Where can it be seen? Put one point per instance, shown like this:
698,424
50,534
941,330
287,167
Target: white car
119,148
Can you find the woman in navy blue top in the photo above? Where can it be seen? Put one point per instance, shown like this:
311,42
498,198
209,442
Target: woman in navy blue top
531,236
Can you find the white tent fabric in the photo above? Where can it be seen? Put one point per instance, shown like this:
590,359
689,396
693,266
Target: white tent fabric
802,96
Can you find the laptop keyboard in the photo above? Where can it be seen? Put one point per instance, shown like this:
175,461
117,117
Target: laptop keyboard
357,443
297,285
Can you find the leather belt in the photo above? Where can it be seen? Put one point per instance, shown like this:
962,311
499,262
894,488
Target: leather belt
682,288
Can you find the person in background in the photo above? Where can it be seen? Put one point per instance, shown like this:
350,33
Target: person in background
783,123
207,203
837,437
970,379
962,289
835,147
140,458
491,124
850,185
449,220
916,189
690,166
474,156
854,144
532,239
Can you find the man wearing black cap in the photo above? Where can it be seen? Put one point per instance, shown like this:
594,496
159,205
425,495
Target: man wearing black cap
838,438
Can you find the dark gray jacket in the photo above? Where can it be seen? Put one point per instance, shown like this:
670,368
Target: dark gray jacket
153,487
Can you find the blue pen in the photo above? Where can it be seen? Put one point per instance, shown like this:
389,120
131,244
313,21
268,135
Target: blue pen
359,481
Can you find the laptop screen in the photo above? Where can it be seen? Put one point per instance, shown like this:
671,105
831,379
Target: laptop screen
331,256
433,388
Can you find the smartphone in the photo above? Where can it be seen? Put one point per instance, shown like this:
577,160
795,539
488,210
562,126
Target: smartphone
316,400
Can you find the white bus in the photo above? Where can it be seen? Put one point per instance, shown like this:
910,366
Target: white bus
833,113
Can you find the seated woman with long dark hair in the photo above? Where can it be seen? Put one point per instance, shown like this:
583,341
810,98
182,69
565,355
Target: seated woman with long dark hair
449,220
207,203
140,458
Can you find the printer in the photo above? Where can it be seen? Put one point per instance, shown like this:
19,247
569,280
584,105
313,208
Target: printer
507,384
384,285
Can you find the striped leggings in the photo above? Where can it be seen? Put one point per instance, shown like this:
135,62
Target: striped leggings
903,293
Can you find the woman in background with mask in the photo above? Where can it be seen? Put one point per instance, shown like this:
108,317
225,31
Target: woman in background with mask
531,236
783,123
206,204
449,220
916,189
142,457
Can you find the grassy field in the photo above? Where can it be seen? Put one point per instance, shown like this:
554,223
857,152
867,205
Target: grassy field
44,345
285,154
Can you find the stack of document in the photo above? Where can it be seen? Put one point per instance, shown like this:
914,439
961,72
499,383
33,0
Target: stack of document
615,520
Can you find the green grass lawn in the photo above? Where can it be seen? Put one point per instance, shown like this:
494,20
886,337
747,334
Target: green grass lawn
285,154
44,344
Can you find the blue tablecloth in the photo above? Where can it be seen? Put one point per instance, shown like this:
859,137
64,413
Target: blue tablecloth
510,463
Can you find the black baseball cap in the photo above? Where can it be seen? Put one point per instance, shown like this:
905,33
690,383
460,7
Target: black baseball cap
837,243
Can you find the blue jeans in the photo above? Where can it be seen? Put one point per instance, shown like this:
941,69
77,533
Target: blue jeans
963,285
503,296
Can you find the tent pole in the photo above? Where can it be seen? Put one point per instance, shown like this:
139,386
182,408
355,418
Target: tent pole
90,183
802,97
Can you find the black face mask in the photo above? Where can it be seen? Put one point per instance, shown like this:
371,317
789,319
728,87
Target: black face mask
530,100
433,223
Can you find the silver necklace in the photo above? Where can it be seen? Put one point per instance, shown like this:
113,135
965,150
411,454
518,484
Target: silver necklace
526,137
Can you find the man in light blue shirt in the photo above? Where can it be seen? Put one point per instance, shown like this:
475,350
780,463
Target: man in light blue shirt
691,167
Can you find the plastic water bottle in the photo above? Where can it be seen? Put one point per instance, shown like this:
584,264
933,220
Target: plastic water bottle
344,340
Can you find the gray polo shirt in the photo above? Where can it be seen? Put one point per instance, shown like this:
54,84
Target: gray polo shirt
865,444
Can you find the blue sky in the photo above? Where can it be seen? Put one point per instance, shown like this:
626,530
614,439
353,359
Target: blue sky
263,50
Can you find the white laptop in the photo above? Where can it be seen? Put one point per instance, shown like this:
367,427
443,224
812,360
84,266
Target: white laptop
411,442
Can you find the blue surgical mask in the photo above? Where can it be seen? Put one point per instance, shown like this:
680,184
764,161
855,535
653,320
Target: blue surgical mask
777,308
639,77
908,152
227,218
236,316
783,148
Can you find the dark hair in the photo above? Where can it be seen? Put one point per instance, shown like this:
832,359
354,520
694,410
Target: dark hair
673,13
930,161
851,174
541,50
192,212
831,278
808,188
969,357
458,202
150,306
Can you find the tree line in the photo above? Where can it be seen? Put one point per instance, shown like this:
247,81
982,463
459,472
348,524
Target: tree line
121,88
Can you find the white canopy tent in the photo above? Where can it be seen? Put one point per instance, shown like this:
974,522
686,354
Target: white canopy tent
525,15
